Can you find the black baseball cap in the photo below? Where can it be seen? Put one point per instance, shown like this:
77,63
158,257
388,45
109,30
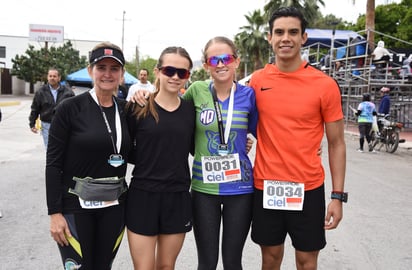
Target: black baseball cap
105,52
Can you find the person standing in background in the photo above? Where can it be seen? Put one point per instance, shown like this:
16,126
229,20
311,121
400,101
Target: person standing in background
366,112
86,167
122,90
297,105
222,174
142,84
159,211
45,101
385,104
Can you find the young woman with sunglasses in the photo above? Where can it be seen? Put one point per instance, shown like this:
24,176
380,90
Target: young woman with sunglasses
158,212
222,177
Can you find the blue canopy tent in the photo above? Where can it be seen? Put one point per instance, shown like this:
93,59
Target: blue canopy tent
81,77
324,37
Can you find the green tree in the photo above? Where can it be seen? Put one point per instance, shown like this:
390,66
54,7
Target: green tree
65,58
329,21
199,75
251,42
393,21
404,24
387,20
34,64
369,21
309,8
26,68
147,63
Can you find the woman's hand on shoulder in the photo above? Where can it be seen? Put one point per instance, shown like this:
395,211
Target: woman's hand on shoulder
140,97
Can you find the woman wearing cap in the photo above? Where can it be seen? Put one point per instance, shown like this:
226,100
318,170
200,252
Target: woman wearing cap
159,211
86,167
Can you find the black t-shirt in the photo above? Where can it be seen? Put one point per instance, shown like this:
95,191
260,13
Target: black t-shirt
162,149
80,145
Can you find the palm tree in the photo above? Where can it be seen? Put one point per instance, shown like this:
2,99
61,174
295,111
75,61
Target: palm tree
369,22
251,42
309,8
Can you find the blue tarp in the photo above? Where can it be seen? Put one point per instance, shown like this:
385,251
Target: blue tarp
82,77
325,36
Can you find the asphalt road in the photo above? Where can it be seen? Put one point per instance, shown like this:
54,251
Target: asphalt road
374,234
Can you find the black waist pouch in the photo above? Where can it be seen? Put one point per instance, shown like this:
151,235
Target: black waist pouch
99,189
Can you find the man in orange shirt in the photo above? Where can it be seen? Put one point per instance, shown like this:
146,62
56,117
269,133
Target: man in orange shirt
297,104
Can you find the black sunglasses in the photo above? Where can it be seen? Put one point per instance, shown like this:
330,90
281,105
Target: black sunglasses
171,71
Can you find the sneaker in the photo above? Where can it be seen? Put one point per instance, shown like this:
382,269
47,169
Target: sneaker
360,150
372,151
370,147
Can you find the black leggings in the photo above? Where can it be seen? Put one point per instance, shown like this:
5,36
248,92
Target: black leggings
364,131
208,211
97,235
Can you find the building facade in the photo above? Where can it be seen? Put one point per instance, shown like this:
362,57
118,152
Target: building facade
11,46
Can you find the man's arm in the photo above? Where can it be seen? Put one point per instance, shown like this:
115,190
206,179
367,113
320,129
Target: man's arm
337,164
337,153
35,110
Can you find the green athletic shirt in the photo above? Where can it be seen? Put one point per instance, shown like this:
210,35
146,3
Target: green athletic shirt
207,135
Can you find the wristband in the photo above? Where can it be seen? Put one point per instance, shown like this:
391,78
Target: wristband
339,195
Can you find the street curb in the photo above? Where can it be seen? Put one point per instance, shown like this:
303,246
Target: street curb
9,103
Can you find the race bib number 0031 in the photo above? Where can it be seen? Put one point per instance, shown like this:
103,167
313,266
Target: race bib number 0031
283,195
221,169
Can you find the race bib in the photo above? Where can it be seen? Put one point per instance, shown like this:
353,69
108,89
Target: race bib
96,204
283,195
221,169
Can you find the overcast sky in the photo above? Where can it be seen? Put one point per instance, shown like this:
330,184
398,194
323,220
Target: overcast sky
151,25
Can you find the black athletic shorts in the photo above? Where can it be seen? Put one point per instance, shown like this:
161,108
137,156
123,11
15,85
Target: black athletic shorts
305,228
153,213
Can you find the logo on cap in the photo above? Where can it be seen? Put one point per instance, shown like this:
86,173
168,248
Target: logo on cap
100,53
108,52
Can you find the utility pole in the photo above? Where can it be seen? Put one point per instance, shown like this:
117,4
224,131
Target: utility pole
124,12
138,53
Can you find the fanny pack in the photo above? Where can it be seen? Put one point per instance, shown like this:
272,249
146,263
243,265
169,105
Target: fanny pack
99,189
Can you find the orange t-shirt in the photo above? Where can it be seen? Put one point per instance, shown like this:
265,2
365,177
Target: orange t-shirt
293,108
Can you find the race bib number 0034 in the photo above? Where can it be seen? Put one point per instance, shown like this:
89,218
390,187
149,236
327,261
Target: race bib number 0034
283,195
